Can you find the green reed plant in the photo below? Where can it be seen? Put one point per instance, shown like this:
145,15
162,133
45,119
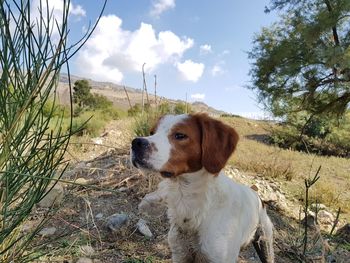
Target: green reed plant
33,49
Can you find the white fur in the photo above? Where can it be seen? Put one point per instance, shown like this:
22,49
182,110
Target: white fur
160,139
225,214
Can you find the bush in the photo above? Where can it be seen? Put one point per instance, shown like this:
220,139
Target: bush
52,109
164,108
336,142
181,108
135,110
144,123
97,101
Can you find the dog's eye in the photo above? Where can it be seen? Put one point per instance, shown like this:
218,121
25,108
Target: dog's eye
151,133
180,136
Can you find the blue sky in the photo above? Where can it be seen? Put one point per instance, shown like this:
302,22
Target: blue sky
198,47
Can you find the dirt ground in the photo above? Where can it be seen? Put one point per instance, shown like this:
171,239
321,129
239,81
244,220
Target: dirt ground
112,186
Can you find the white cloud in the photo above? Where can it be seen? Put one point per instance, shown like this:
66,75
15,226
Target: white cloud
190,70
217,70
77,10
198,96
56,8
205,49
160,6
112,50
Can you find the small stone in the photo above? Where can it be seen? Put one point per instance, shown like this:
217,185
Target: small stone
81,181
97,140
99,216
123,189
28,226
143,228
53,198
87,250
84,260
47,231
116,221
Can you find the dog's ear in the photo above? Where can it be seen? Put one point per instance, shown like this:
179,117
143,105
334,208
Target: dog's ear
218,143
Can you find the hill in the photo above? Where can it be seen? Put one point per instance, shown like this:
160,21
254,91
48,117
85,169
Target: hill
117,95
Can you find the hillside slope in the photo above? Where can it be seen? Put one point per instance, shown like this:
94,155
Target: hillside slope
117,95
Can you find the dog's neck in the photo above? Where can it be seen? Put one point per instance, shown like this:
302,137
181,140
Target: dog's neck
188,197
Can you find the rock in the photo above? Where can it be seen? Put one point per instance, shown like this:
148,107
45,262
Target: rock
47,231
28,226
325,217
81,181
99,216
116,221
87,250
143,228
97,140
319,207
272,196
122,189
84,260
53,198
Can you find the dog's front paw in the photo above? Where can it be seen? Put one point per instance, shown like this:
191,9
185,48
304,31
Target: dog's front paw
152,204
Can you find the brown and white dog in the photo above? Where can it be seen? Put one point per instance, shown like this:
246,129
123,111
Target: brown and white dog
211,216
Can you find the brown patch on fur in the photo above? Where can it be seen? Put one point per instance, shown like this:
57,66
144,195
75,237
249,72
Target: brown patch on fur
186,153
209,144
218,142
254,187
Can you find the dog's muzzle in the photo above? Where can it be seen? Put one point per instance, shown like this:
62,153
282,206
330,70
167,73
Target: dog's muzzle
140,150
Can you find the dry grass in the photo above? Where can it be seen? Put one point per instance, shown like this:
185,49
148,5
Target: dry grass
291,167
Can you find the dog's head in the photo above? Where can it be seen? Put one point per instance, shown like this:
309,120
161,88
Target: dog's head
184,144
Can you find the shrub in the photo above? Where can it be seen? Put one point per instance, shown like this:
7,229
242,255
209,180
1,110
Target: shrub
181,108
32,147
52,109
322,136
135,110
164,108
144,123
97,101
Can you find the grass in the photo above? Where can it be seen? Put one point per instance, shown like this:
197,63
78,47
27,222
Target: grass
291,167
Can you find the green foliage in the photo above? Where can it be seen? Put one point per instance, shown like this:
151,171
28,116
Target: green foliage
164,108
85,100
181,108
302,62
97,101
144,123
91,111
321,135
32,141
52,109
135,110
81,94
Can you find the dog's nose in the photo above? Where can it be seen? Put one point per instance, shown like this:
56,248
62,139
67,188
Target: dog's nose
139,143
